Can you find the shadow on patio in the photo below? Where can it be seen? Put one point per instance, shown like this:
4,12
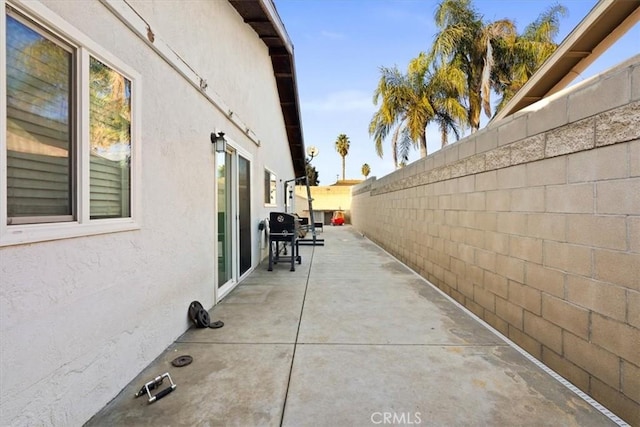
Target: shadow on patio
350,338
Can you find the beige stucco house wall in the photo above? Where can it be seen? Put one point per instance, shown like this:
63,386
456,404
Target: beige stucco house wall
85,307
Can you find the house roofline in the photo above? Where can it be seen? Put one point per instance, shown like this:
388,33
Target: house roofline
262,16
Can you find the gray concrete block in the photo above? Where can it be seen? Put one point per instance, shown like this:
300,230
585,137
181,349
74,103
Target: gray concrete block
458,169
486,140
605,93
571,138
528,150
604,163
467,148
476,164
513,130
635,83
498,158
552,115
438,159
451,154
619,125
429,163
634,159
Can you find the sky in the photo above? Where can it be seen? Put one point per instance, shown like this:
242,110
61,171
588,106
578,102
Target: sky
340,45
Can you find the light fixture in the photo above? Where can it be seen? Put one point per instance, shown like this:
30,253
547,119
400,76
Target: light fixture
312,152
219,141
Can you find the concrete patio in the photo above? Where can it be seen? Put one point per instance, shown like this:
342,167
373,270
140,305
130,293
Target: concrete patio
351,338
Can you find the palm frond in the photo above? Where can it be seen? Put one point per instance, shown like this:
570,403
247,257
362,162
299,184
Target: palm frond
403,145
486,79
545,28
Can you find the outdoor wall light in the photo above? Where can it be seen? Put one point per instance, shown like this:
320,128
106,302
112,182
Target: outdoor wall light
312,152
219,141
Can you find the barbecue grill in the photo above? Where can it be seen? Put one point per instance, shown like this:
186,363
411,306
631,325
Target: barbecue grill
283,230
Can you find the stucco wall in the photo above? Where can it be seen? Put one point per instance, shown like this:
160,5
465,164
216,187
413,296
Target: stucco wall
79,318
534,225
326,198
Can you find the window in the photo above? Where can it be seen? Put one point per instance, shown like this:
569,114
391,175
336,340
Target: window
270,186
110,141
70,144
40,123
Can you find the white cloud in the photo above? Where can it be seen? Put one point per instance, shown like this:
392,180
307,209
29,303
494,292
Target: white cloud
346,100
332,35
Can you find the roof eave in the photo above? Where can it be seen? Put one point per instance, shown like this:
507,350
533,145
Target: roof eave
262,16
604,24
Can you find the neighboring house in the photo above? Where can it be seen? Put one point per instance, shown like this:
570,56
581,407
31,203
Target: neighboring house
116,210
326,200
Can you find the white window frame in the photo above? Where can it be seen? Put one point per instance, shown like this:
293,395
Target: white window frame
275,178
82,225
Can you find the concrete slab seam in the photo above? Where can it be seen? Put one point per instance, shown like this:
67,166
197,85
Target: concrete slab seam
295,343
380,344
221,343
582,395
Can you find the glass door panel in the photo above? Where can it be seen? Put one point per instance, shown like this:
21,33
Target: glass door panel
225,218
244,213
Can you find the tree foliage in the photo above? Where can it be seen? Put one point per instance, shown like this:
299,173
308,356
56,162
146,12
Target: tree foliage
466,42
492,55
342,147
451,84
312,173
366,170
110,106
44,75
410,101
519,60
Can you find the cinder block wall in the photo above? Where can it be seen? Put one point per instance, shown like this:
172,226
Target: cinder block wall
534,225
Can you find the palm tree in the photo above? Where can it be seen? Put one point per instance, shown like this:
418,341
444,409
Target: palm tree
518,61
404,107
466,42
491,54
390,115
408,102
366,170
342,147
446,88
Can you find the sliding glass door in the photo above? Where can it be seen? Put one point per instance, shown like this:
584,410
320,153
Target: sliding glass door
233,219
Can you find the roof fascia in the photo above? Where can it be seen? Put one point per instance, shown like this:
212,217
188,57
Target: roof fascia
550,69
